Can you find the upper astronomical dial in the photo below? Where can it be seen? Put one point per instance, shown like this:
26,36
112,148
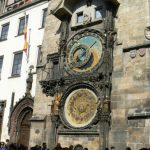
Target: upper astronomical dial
84,52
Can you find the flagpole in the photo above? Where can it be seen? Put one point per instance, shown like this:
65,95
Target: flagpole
29,46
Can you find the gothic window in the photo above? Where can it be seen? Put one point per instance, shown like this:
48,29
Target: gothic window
22,23
54,66
4,32
1,63
16,70
80,17
44,17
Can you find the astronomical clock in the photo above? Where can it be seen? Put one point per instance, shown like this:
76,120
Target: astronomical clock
84,52
81,79
80,108
83,56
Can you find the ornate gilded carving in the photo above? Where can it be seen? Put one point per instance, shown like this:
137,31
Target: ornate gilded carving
56,104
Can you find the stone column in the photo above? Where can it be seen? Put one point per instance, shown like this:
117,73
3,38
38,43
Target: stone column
54,119
1,6
104,130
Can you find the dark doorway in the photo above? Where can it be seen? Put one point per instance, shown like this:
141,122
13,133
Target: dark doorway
24,131
20,122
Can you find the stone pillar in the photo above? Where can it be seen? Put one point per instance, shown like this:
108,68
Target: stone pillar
104,131
1,6
37,130
54,119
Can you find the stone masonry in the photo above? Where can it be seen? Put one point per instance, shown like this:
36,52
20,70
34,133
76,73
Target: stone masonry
130,96
131,82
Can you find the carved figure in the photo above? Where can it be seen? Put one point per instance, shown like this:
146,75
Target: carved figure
57,103
86,18
106,106
29,81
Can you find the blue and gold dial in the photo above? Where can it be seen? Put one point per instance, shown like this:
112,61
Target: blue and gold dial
84,52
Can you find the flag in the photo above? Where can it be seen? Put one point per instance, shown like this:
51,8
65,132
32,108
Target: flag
25,48
25,40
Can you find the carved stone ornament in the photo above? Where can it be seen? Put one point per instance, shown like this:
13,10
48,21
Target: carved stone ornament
54,4
87,15
80,107
147,32
86,18
142,52
133,53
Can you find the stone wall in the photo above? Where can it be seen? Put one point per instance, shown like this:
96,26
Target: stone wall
131,82
87,141
41,122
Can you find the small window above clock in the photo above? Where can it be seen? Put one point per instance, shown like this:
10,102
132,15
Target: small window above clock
80,17
98,13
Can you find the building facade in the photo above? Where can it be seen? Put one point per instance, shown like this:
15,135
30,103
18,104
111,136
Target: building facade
16,65
94,89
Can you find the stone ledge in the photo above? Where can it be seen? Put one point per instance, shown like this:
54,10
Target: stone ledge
138,112
81,132
136,47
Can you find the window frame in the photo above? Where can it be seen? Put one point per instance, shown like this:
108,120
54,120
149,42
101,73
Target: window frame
77,17
100,8
44,14
13,66
1,66
6,32
39,55
53,59
21,27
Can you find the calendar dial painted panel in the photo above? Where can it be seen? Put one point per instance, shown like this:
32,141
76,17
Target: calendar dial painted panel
80,108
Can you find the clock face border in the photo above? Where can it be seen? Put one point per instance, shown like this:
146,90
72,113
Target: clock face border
70,66
66,98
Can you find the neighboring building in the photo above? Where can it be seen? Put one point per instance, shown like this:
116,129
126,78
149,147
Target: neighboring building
97,78
16,101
